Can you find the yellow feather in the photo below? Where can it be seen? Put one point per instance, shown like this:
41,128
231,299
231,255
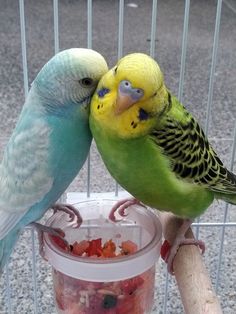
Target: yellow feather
133,66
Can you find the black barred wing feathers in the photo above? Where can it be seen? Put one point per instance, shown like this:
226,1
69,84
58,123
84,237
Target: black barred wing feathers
191,156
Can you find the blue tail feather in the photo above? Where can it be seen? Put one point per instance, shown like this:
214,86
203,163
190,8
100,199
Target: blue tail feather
6,246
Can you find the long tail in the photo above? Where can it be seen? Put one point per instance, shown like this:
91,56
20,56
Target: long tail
228,198
6,246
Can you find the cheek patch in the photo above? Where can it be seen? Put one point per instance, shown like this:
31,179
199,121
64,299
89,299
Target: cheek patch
102,92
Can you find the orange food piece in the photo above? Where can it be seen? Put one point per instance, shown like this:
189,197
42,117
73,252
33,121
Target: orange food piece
128,247
94,248
79,248
109,249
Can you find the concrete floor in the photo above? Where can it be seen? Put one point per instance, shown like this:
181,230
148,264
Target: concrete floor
137,26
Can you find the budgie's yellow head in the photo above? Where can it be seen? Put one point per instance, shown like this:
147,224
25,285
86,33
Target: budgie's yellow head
130,96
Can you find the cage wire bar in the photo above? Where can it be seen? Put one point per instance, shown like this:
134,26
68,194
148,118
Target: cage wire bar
180,96
211,80
26,88
89,45
154,17
153,29
55,24
184,50
225,216
120,51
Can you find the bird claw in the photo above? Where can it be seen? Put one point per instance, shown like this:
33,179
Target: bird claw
71,210
120,208
169,252
41,229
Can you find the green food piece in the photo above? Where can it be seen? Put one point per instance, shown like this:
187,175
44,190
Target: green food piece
109,301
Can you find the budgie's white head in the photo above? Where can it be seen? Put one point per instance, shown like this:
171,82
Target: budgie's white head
70,77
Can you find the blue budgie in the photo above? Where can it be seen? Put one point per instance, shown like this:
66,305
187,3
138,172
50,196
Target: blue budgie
50,142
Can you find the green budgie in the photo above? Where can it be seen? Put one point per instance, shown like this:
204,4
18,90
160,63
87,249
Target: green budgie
153,146
49,144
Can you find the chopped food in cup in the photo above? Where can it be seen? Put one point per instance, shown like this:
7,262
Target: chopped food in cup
76,296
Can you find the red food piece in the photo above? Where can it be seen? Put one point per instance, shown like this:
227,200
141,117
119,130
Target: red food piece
58,241
129,286
95,248
165,250
79,248
128,247
125,306
59,302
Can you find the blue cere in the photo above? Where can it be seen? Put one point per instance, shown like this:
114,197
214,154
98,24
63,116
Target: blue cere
102,92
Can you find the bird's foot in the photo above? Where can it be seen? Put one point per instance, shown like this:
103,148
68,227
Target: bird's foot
70,210
168,252
121,206
55,232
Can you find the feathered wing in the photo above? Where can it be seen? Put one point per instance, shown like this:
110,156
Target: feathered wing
191,156
24,175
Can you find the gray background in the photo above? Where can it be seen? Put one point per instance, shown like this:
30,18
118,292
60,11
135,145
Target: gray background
137,26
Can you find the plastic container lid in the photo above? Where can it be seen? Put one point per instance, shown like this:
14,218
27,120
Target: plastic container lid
140,225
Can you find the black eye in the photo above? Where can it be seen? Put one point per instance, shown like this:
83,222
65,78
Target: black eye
86,82
115,70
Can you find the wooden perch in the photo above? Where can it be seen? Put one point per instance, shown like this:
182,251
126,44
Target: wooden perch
197,293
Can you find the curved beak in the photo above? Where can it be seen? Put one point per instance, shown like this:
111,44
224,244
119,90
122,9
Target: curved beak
123,102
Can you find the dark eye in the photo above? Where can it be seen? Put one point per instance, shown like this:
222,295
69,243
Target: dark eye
86,82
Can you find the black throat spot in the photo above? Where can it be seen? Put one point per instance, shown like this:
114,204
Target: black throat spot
143,115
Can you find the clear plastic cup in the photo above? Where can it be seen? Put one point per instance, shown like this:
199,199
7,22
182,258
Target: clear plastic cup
93,285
